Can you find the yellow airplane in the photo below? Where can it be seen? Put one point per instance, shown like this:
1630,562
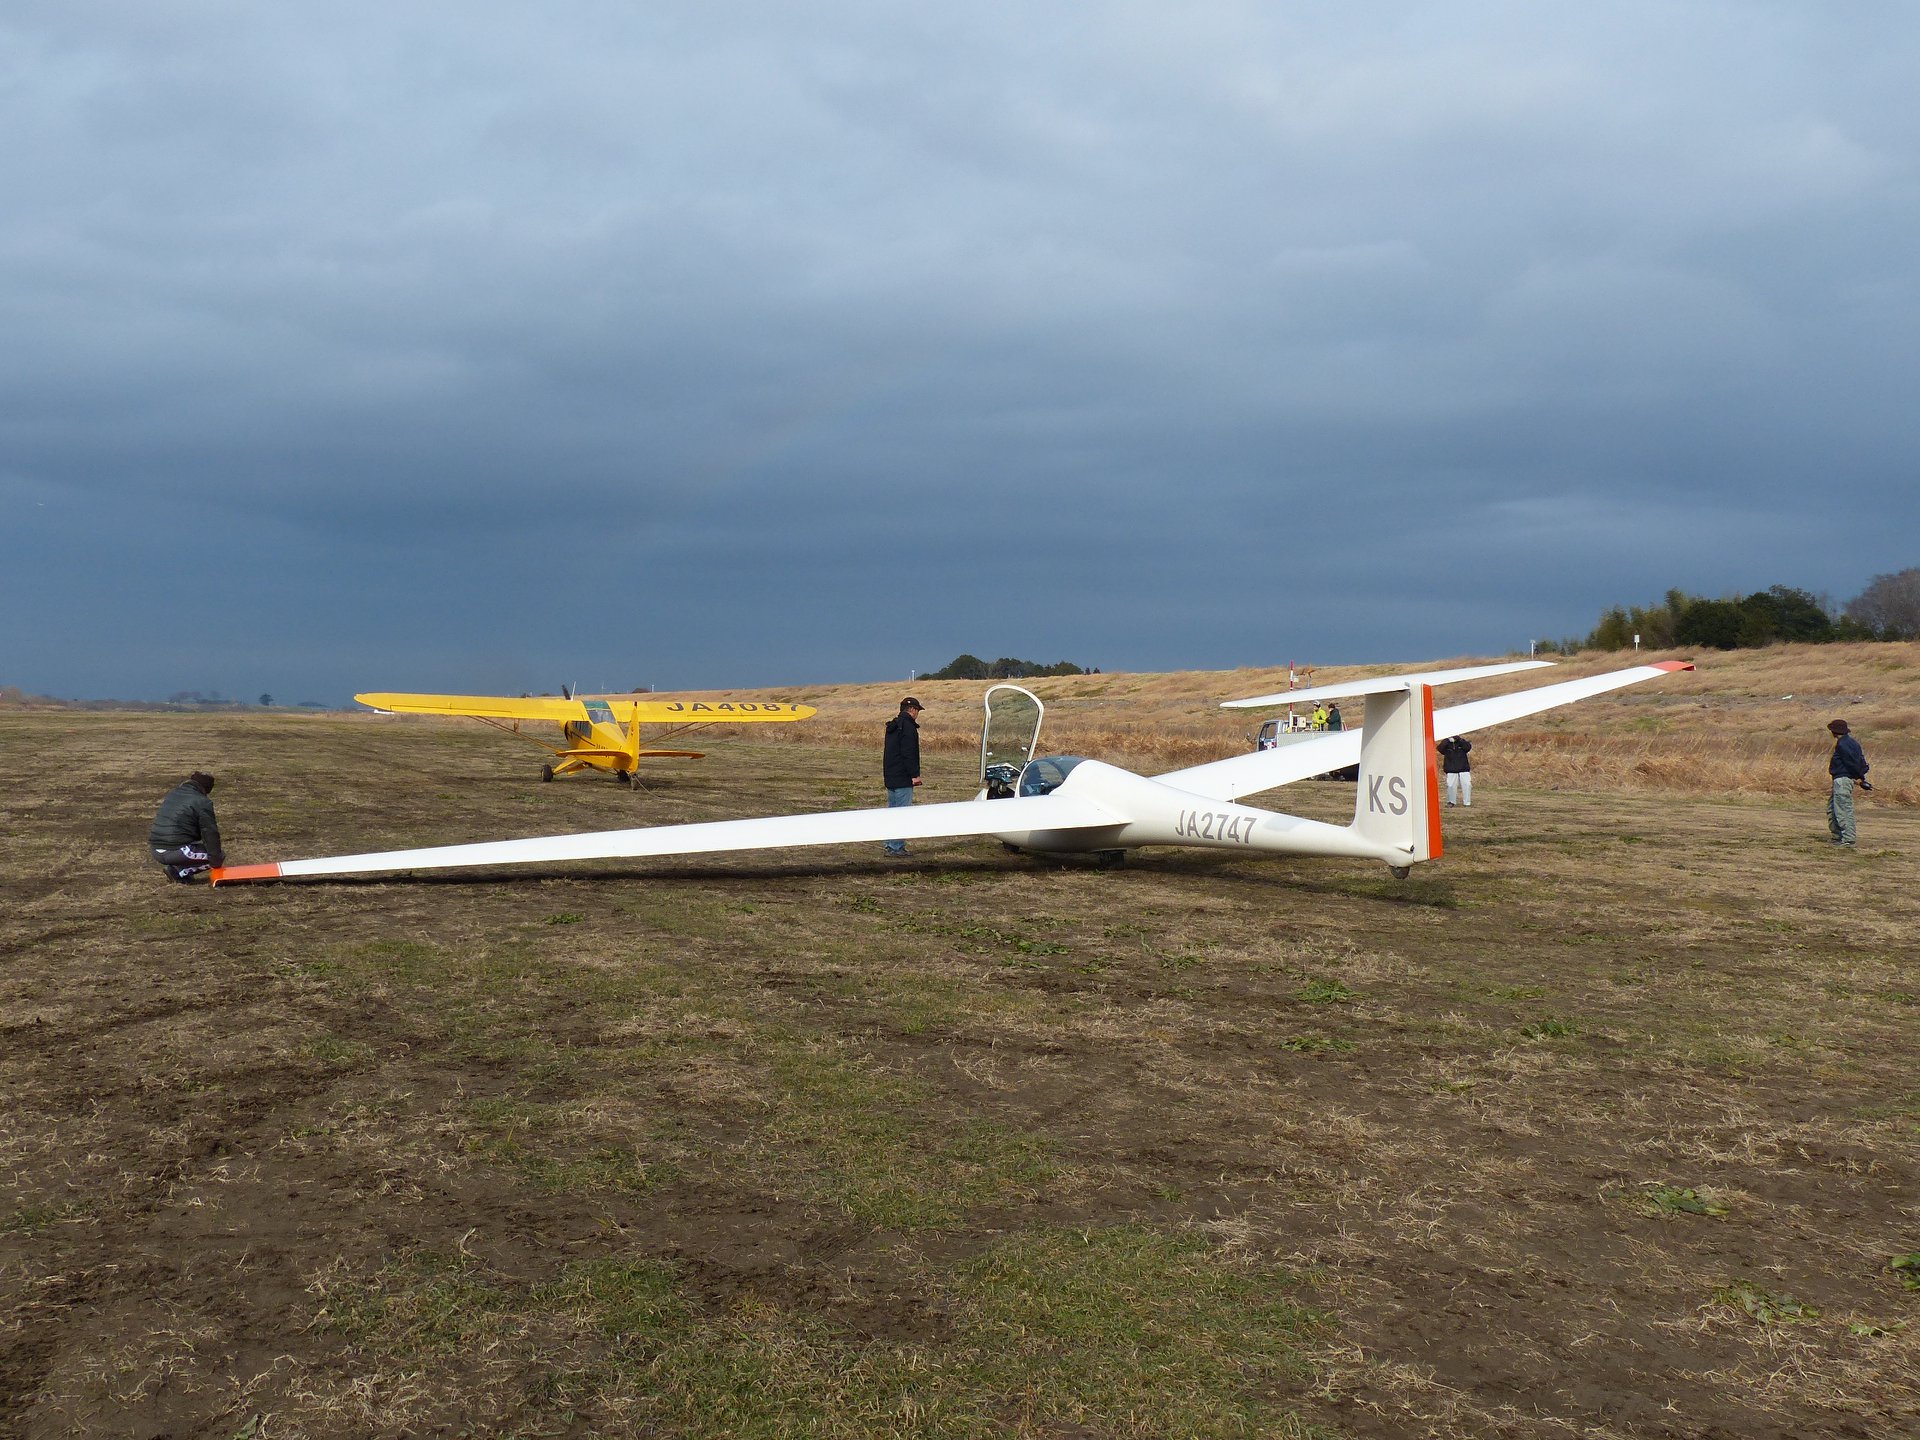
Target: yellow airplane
598,732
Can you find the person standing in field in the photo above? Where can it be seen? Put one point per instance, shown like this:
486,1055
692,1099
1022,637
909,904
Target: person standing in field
1848,767
900,761
1334,722
185,836
1453,760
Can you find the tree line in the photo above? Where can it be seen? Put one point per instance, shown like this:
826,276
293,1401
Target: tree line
972,667
1888,609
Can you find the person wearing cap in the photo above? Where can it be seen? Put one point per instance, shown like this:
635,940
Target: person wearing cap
184,835
1848,767
900,761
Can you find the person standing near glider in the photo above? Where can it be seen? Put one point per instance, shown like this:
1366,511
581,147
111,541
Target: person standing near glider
1453,759
900,761
1848,767
185,836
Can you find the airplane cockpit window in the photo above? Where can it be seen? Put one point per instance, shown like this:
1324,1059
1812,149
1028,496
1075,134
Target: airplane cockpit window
1045,774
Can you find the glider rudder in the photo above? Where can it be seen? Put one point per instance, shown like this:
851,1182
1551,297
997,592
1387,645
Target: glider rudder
1397,801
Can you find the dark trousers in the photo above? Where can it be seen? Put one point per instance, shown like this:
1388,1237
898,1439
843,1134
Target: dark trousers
185,863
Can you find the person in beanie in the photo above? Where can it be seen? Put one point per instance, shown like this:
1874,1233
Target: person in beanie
1453,760
184,835
900,761
1848,767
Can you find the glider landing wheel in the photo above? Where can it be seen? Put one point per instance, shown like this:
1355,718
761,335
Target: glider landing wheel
1400,872
1109,859
546,772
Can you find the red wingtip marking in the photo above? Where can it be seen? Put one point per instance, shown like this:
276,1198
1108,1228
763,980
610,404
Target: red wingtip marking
1672,665
227,874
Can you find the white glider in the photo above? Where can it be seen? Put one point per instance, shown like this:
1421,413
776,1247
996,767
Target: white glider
1067,804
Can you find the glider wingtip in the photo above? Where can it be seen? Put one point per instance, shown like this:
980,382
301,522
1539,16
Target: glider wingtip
1672,665
230,874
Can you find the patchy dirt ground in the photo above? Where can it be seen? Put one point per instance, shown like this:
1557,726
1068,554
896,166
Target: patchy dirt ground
1605,1125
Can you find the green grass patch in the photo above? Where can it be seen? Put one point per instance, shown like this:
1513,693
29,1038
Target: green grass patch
864,1143
1664,1199
1120,1331
1554,1027
1132,1331
422,1303
1327,992
1767,1307
550,1148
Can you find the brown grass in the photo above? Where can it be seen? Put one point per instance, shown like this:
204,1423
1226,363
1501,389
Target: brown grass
1742,723
817,1144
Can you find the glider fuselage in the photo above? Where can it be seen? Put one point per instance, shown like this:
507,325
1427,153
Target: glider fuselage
1159,814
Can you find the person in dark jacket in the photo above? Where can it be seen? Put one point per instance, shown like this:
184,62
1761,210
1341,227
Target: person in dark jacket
184,835
1453,760
1334,722
1848,767
900,761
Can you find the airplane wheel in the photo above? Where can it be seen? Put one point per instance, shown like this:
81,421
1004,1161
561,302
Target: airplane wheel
1400,872
546,772
1010,848
1109,859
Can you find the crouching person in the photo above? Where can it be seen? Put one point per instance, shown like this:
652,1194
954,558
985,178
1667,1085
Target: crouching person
185,837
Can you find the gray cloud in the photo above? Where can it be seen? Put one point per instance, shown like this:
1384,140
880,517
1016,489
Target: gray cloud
476,344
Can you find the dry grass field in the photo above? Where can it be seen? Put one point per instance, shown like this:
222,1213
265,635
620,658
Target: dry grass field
1605,1125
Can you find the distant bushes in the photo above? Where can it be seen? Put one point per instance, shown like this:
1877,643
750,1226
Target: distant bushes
1889,609
1889,606
972,667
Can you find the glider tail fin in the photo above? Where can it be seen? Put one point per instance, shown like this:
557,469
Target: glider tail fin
1398,804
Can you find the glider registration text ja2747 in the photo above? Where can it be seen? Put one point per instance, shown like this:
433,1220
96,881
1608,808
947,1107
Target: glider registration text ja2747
600,732
1062,804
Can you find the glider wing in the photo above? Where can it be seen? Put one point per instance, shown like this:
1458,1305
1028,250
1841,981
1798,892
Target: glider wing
840,827
1264,769
1382,684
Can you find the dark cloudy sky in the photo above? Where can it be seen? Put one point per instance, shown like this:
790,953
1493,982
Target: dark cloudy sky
481,345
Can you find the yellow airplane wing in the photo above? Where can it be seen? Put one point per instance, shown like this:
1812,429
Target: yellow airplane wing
603,711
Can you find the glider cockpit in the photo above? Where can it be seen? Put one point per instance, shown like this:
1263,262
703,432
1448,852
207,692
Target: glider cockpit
1008,737
1044,775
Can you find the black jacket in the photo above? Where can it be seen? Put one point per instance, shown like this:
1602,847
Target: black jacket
900,756
185,818
1848,759
1453,754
